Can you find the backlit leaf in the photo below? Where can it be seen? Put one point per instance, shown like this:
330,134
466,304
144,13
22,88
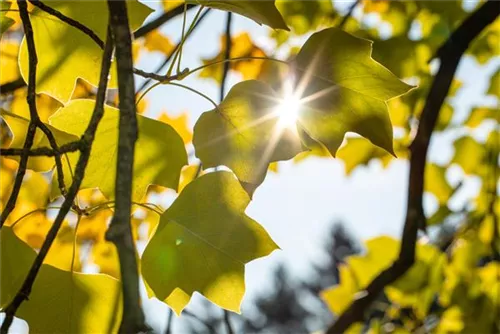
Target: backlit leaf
5,22
202,244
262,12
478,115
19,127
345,90
468,154
64,52
436,183
244,133
494,88
60,301
160,152
241,46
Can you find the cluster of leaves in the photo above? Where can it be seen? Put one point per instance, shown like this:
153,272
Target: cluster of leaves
204,239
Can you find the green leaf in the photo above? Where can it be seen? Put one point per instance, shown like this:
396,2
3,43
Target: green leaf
469,154
60,301
417,287
262,12
436,183
64,52
160,152
494,88
359,151
18,125
203,242
5,22
305,15
480,114
244,133
345,90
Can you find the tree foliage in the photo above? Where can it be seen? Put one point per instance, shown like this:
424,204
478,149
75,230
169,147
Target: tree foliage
82,160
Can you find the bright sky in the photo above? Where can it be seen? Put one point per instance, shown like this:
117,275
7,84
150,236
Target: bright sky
298,205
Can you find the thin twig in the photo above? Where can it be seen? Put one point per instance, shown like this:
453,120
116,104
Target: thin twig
227,322
162,19
68,20
415,218
31,100
167,59
227,55
89,32
88,139
170,318
120,231
349,14
12,86
43,151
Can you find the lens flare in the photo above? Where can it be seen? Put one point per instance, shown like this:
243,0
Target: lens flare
288,107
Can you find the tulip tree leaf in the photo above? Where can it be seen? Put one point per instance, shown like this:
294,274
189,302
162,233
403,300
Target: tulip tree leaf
60,301
262,12
345,90
160,152
417,287
203,242
18,125
5,22
64,52
480,114
436,183
494,88
244,133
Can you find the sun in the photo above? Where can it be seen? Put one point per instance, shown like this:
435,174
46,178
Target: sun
288,107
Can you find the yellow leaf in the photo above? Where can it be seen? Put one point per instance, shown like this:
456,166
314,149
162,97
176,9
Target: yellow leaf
206,249
156,41
9,69
180,124
64,52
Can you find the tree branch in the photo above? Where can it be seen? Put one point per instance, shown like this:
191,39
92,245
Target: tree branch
227,55
43,151
120,232
450,54
87,31
88,139
162,19
12,86
349,14
167,59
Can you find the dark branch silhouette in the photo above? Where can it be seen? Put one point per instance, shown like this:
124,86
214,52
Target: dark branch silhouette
120,230
81,165
449,54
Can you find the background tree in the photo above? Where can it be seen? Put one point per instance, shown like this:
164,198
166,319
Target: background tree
84,164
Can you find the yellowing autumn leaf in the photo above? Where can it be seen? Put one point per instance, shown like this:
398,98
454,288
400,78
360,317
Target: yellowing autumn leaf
64,52
416,288
205,249
160,152
241,46
71,302
19,127
262,12
345,90
180,124
156,41
359,151
244,133
9,70
436,183
5,22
